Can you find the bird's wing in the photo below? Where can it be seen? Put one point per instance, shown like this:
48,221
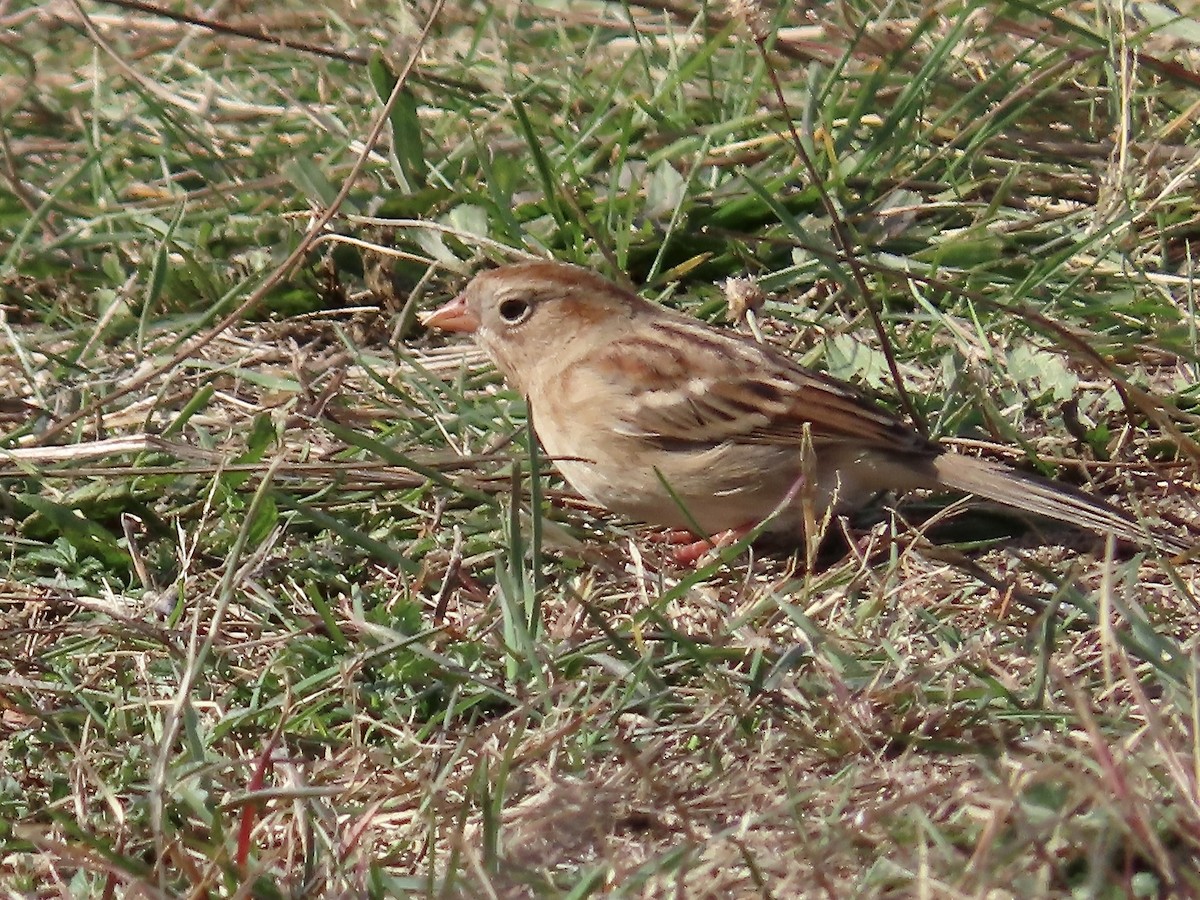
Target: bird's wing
690,384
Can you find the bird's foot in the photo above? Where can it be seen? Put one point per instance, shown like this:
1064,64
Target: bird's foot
688,550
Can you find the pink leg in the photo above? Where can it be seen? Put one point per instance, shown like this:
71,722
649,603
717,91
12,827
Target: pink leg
690,554
672,536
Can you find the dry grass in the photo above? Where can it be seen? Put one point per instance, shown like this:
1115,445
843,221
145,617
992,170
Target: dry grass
291,616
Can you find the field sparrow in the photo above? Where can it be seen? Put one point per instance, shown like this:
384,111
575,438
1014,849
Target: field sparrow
630,398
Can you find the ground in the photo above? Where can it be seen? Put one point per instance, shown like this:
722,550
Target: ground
285,610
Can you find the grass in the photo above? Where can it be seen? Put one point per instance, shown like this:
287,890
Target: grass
291,605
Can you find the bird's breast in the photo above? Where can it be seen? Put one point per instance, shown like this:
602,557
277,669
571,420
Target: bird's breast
716,486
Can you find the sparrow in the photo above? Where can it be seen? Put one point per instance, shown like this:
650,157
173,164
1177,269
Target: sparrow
666,420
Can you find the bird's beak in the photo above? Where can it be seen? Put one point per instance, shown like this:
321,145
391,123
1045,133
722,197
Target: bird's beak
454,316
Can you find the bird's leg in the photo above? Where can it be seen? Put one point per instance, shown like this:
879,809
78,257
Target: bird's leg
689,551
672,536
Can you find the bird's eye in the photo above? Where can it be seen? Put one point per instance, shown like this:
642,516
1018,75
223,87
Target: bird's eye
515,311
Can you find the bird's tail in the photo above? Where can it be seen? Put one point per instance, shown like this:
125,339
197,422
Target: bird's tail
1054,500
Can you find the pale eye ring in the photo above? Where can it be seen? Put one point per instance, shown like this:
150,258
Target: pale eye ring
514,310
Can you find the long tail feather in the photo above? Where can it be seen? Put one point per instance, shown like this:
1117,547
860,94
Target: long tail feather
1054,500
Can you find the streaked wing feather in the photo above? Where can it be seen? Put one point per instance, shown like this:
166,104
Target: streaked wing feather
690,384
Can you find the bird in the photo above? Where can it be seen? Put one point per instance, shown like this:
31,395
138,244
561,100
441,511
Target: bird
666,420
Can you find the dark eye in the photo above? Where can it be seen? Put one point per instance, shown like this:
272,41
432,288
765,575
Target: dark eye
515,311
